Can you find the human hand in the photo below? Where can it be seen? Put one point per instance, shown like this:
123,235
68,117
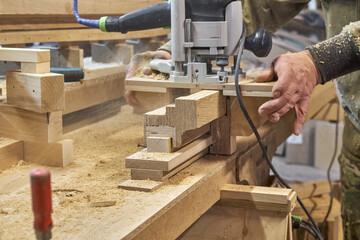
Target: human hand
140,64
297,76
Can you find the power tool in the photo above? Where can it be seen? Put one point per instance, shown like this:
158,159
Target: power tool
201,31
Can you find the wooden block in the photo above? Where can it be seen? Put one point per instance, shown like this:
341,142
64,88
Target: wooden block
58,154
224,142
140,185
261,198
11,152
43,67
311,189
25,125
167,161
158,144
36,92
24,55
158,175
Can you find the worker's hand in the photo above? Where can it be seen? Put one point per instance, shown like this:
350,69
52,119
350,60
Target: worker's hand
296,76
140,63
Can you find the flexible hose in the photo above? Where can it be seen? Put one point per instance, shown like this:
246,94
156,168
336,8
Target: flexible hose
87,22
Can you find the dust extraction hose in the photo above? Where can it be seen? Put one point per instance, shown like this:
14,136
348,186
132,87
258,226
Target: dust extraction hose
87,22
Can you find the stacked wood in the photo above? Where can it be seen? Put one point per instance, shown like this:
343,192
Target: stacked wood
33,112
316,198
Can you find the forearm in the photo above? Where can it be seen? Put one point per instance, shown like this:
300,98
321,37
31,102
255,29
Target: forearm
338,55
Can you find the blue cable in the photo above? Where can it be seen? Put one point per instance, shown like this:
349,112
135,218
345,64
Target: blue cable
87,22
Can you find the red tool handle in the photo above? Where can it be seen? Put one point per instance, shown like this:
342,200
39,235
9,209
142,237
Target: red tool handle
41,199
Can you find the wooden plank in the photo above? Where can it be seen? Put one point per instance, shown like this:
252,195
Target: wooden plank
73,35
161,176
159,144
140,185
36,92
167,161
11,152
43,67
81,95
25,125
248,86
64,7
311,189
24,55
58,154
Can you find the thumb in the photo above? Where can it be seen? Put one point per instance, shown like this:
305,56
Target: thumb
267,75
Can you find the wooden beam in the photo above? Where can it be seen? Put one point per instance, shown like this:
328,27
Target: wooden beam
161,176
25,125
311,189
11,152
36,92
24,55
91,92
73,35
43,67
260,198
159,144
167,161
58,154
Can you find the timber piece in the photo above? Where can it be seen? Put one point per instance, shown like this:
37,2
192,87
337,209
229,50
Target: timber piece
260,198
224,142
329,112
161,176
65,57
239,124
57,154
167,161
43,67
11,152
26,125
221,222
75,120
73,35
158,144
91,92
140,185
111,52
24,55
36,92
311,189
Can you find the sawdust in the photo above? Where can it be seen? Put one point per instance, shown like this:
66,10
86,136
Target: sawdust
91,180
144,62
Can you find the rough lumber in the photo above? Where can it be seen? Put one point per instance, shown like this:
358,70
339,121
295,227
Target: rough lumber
167,161
161,176
260,198
64,7
25,125
24,55
11,152
239,223
36,92
58,154
189,113
73,35
43,67
91,92
158,144
311,189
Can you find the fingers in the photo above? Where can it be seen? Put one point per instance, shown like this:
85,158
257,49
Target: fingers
267,75
162,55
300,110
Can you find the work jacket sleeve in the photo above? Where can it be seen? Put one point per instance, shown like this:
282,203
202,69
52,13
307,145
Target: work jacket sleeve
265,14
338,55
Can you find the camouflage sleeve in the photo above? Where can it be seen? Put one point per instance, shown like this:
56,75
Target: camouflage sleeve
338,55
266,14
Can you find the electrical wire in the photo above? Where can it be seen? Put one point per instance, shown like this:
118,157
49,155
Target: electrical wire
331,164
307,230
262,146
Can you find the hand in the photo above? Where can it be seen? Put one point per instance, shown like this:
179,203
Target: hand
297,76
140,63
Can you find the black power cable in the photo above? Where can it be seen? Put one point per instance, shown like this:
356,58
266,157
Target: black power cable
262,146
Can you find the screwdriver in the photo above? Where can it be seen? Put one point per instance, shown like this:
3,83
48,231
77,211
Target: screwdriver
41,202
